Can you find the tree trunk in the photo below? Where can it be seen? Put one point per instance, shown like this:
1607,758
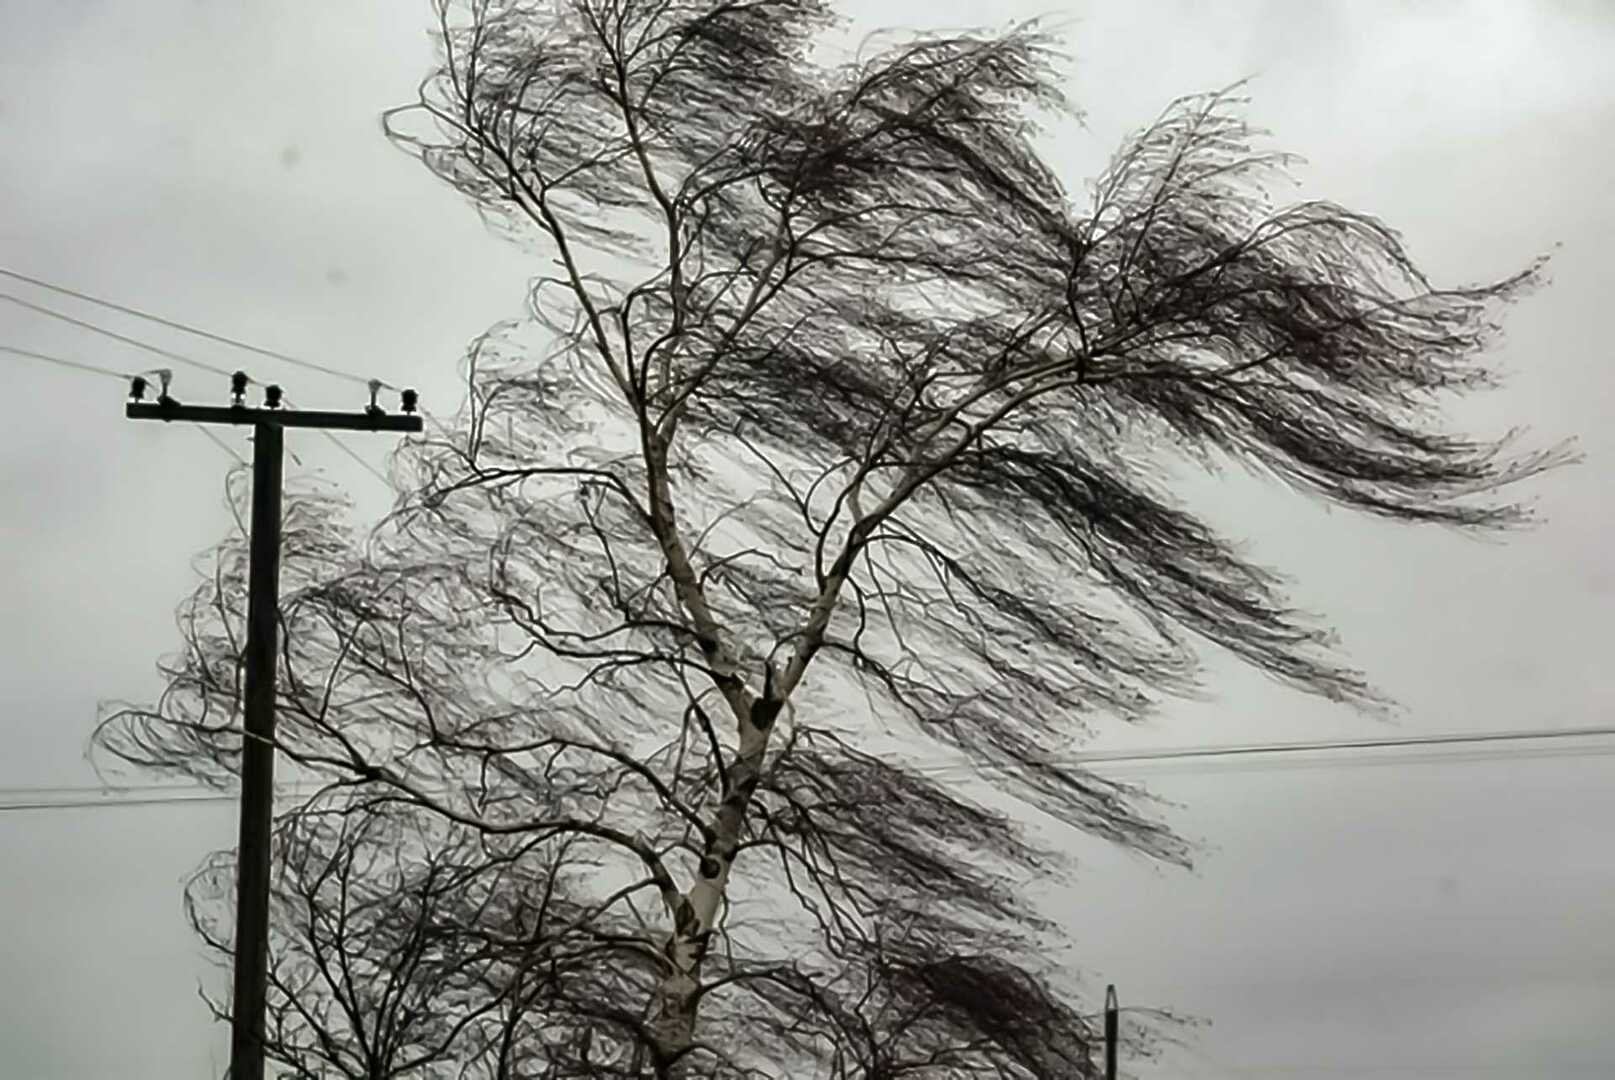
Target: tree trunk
673,1014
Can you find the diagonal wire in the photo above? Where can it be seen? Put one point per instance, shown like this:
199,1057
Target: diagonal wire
220,443
348,450
77,365
94,370
222,339
62,362
175,324
136,342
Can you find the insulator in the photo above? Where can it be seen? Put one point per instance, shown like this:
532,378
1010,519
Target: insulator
137,388
238,388
408,400
271,396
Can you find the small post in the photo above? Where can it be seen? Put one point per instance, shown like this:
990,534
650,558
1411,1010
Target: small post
263,631
1112,1030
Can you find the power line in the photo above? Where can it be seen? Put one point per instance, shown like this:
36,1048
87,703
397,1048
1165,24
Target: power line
106,791
354,454
1455,739
176,324
125,377
136,342
86,797
109,803
19,799
73,797
348,450
1279,749
77,365
210,335
25,798
220,443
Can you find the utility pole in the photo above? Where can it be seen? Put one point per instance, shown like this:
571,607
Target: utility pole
263,624
1112,1030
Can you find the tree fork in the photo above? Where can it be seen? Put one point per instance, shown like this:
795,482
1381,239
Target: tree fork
695,914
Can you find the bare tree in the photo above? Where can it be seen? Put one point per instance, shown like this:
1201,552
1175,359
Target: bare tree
842,446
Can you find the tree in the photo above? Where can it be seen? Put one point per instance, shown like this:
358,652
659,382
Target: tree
842,443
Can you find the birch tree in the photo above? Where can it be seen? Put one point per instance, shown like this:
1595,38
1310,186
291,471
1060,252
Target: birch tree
823,473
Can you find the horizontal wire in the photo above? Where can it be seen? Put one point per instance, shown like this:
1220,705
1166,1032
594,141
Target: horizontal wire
83,797
1365,760
1273,749
85,804
104,790
1199,755
118,803
1451,739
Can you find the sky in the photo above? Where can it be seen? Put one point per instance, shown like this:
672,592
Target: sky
1401,916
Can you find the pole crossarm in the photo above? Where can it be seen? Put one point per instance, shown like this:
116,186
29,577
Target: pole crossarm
285,418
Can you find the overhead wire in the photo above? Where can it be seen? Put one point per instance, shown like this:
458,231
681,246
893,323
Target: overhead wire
348,450
135,342
105,790
108,802
210,335
1210,754
220,443
120,802
52,313
92,369
1385,742
19,798
76,365
175,324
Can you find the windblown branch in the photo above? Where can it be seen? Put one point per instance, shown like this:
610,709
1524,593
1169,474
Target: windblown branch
839,393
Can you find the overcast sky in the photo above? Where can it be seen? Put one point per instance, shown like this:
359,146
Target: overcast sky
1407,917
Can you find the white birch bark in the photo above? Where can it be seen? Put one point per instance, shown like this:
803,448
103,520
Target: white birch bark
695,916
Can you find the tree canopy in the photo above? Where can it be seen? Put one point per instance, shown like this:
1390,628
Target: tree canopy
832,446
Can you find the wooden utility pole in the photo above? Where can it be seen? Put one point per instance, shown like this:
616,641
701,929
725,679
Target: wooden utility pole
263,624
